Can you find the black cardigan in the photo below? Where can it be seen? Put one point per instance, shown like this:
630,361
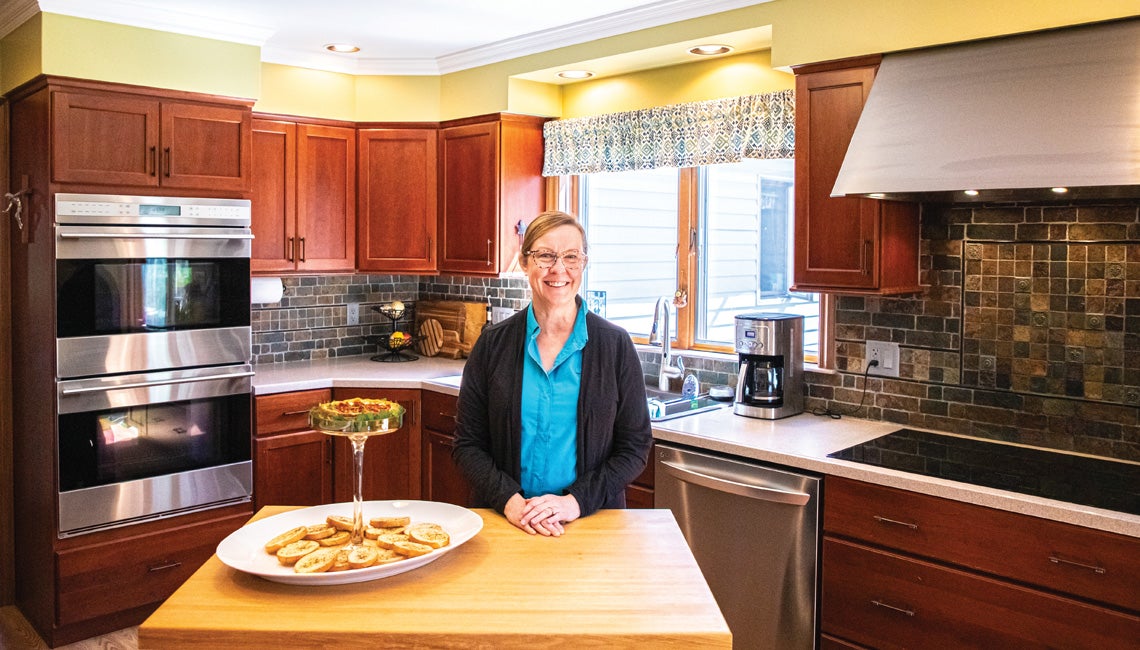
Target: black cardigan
614,434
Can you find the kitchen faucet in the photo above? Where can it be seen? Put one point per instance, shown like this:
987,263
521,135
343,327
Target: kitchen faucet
668,370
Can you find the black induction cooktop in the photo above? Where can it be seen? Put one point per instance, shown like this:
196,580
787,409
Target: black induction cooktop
1097,482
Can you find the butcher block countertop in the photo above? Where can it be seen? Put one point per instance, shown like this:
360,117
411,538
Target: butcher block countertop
615,579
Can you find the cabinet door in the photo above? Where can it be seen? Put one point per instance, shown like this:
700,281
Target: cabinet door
397,216
293,469
326,198
442,480
206,147
835,237
274,196
469,217
391,461
104,139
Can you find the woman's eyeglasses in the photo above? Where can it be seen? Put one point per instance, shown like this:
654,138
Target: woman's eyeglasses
572,260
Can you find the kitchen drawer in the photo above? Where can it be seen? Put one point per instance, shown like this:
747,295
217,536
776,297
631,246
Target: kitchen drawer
287,411
439,411
886,601
102,579
1092,564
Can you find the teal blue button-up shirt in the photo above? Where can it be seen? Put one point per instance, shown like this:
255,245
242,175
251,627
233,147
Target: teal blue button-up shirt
549,451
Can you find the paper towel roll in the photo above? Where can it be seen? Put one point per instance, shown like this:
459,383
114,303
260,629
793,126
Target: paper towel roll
266,290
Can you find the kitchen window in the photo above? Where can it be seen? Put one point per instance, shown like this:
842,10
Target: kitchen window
693,201
721,234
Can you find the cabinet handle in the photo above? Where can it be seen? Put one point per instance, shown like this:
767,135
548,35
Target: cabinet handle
429,249
289,255
865,262
488,252
154,568
901,610
884,520
301,412
153,162
1092,567
166,162
301,257
446,415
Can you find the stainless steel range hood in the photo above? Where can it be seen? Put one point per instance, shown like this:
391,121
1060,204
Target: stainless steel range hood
1008,118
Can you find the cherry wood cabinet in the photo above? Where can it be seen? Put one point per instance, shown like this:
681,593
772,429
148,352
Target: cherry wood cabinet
491,187
844,244
442,480
117,138
292,463
397,198
304,196
908,570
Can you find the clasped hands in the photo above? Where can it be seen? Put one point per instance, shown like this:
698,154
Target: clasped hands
542,515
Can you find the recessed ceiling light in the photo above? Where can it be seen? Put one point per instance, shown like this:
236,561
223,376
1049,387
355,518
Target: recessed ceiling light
575,74
343,48
1060,190
876,195
971,192
710,50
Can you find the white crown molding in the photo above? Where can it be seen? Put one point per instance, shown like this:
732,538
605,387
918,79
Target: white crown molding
124,12
14,13
622,22
349,63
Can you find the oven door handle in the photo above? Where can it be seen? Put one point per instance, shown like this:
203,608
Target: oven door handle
735,487
143,235
148,384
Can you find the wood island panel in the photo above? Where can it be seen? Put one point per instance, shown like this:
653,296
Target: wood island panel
618,579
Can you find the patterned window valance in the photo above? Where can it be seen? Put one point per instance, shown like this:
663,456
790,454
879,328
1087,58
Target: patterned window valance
681,135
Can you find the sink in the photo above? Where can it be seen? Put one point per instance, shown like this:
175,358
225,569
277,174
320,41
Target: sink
668,406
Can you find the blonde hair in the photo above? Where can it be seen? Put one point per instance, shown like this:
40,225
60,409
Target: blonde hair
543,224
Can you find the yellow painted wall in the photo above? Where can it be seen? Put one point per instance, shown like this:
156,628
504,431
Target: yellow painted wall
534,98
310,93
90,49
732,76
384,98
20,58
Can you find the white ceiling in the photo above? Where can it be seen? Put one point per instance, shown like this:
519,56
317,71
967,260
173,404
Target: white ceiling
395,36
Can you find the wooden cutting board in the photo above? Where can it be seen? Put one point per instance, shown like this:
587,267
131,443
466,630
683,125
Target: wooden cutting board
431,337
466,319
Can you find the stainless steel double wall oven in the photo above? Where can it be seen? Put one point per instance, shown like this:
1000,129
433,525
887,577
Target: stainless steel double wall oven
153,348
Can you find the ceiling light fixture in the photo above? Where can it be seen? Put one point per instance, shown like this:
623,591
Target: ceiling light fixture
710,50
343,48
575,74
1060,190
971,192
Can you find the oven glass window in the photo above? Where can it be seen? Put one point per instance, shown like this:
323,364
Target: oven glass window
124,444
100,297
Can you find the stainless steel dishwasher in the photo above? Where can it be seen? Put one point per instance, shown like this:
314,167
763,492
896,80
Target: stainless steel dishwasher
754,532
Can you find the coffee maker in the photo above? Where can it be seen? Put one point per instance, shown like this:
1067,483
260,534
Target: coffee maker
771,381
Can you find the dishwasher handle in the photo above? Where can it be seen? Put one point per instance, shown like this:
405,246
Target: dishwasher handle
735,487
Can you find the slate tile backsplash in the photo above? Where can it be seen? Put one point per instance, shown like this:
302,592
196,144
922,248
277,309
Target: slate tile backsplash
1027,329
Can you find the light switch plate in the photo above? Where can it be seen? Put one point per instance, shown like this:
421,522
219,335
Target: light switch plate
499,314
887,354
352,311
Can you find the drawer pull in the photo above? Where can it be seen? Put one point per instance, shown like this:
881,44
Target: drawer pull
884,520
301,412
901,610
1060,560
163,567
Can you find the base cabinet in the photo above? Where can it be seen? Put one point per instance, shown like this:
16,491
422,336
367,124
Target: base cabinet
391,461
905,570
639,494
442,480
292,463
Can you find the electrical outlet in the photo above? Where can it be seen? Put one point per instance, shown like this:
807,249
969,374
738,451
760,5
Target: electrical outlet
887,354
499,314
352,311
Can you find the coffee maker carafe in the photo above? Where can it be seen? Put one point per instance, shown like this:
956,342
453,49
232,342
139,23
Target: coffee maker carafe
770,384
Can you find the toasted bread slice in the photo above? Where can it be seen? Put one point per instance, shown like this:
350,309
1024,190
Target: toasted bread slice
317,562
290,553
363,557
389,522
411,549
388,540
320,531
340,538
340,523
433,537
286,538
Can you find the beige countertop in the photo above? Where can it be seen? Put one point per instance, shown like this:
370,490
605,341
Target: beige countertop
801,441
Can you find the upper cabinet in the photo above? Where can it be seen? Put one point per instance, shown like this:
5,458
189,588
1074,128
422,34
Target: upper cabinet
844,244
491,187
113,138
304,197
397,200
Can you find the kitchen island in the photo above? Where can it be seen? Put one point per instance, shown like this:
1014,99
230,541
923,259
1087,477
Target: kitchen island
616,579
